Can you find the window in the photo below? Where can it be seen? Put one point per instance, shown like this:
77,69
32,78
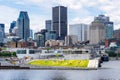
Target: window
21,51
31,52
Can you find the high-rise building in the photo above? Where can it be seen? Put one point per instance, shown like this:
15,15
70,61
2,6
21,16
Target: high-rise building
117,34
2,33
59,21
50,35
97,32
101,18
101,28
12,25
48,24
31,33
80,30
109,30
108,25
23,25
43,34
15,31
71,40
39,39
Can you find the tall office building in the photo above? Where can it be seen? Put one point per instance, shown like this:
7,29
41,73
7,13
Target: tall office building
59,21
101,28
101,18
108,25
12,25
2,33
50,35
109,30
31,33
48,24
97,32
23,25
80,30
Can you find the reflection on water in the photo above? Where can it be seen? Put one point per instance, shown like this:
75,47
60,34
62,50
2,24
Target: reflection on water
58,76
111,71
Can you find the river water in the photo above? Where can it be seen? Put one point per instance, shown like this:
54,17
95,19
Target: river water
109,71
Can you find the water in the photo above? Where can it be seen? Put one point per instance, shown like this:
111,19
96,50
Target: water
109,71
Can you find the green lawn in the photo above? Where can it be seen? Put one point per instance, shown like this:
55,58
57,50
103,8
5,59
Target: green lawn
61,63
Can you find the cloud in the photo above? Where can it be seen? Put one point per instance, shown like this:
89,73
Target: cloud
8,14
79,11
85,20
37,22
112,9
19,3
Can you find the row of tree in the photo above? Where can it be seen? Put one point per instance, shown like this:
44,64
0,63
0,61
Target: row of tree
8,54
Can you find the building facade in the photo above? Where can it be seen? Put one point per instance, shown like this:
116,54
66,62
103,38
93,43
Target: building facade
48,25
100,29
23,25
31,33
51,35
2,33
12,25
80,30
40,40
117,34
59,21
97,32
108,25
109,30
71,40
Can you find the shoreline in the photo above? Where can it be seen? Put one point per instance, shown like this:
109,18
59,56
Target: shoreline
43,68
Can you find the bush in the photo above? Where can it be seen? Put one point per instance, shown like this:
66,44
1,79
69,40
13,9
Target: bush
111,53
7,54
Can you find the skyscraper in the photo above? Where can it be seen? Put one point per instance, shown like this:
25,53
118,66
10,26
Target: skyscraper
97,32
48,24
80,30
108,25
31,33
59,21
50,35
12,25
101,28
2,33
109,30
23,25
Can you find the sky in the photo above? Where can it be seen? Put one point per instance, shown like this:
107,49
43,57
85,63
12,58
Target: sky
79,11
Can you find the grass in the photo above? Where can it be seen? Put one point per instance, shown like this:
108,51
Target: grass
60,63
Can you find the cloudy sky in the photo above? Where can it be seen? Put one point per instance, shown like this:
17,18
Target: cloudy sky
79,11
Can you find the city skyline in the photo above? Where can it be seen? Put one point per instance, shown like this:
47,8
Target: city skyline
79,11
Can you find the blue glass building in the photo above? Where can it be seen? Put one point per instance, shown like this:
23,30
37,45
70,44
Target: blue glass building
108,25
2,33
109,30
12,25
50,35
48,24
23,25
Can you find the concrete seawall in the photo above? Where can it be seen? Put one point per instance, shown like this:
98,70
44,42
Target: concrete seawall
92,65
